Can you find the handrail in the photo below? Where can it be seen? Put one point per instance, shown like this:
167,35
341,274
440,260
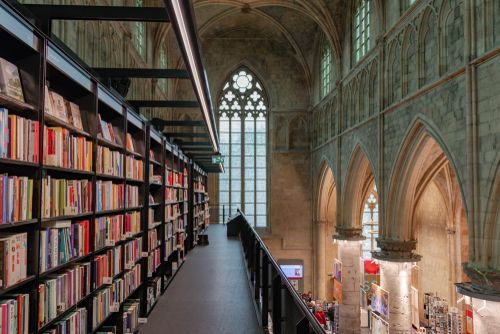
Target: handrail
307,321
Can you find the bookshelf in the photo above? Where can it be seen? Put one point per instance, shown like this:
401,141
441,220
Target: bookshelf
102,214
199,203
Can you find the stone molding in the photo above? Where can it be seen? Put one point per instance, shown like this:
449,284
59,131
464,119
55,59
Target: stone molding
348,233
394,250
486,280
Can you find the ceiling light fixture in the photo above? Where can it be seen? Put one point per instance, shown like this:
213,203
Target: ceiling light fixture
187,43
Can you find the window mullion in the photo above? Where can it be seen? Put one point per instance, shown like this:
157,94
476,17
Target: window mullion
242,164
255,171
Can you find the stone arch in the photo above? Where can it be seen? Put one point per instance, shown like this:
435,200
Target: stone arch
452,28
325,213
358,182
394,71
409,61
421,157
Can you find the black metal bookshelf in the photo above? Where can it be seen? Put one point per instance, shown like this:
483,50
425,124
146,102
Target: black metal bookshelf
42,63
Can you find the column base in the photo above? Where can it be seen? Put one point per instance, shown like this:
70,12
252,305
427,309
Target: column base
485,306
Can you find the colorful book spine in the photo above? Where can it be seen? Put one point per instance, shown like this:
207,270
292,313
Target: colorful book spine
135,168
13,258
132,223
108,231
16,198
61,197
132,252
130,316
109,195
14,314
19,137
62,149
109,162
132,198
60,292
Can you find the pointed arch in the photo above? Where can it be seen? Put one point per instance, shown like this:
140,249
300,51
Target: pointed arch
358,183
325,191
421,157
492,221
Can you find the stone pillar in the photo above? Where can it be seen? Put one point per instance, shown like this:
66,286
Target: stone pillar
350,316
395,277
396,258
486,316
319,262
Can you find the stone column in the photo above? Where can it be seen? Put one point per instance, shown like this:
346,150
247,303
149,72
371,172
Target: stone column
350,316
396,258
319,261
395,277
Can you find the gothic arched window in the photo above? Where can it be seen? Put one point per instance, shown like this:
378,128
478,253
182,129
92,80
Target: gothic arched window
370,224
243,142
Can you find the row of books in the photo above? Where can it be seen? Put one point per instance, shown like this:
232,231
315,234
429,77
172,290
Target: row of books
61,291
135,168
16,198
62,149
176,179
19,137
107,132
111,229
73,323
62,197
14,314
132,199
109,195
109,162
62,241
172,211
130,316
199,186
153,240
154,261
13,258
173,195
132,252
153,292
65,111
107,265
108,299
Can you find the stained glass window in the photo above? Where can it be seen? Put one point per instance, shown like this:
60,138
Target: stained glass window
370,224
139,32
243,138
361,28
162,59
326,62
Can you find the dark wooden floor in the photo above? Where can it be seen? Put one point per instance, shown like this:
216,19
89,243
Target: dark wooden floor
210,293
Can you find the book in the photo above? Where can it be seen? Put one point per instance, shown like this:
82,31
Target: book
109,162
62,149
108,231
130,143
13,258
75,115
135,168
14,314
61,197
109,195
58,106
16,198
132,197
10,80
19,137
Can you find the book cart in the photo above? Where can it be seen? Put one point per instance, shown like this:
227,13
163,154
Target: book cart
94,201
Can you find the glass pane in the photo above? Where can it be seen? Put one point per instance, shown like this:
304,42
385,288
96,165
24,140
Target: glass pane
261,150
261,125
223,197
261,185
249,161
261,138
235,150
261,173
224,185
235,124
250,219
249,138
249,197
261,209
225,175
249,174
249,125
249,150
235,199
236,139
261,197
224,126
261,162
236,173
260,221
249,209
249,185
224,138
236,163
235,184
224,148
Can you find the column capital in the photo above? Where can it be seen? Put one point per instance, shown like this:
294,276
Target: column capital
395,250
348,233
484,281
320,222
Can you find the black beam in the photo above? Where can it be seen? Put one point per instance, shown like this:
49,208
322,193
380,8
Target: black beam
164,104
161,122
195,143
99,13
194,149
186,134
149,73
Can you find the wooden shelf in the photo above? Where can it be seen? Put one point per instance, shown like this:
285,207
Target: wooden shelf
103,142
80,215
12,103
52,120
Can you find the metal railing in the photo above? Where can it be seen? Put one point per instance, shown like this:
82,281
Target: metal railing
273,293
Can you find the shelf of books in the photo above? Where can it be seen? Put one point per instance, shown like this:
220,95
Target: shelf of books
201,213
93,201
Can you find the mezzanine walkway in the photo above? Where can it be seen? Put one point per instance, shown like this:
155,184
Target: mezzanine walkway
209,295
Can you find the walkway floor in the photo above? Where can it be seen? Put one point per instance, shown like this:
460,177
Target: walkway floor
210,293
